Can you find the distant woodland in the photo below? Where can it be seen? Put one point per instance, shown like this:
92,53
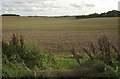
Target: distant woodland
113,13
10,15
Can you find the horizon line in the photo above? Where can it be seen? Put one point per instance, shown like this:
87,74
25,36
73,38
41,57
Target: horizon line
56,15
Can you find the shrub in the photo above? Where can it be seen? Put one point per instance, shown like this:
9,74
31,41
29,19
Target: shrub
18,57
99,66
110,72
106,51
104,58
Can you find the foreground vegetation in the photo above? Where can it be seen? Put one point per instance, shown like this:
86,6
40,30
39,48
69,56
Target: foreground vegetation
23,60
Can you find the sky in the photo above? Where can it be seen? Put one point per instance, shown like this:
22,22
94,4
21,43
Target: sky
56,7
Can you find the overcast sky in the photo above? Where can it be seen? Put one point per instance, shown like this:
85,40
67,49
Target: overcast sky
57,7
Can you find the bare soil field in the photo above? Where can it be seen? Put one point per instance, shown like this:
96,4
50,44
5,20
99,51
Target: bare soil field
61,34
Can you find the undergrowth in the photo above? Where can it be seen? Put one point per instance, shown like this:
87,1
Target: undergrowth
21,60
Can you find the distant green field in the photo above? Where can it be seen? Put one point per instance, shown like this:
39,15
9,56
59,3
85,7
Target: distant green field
57,24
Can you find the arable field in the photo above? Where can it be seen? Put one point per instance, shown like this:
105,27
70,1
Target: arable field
60,34
57,24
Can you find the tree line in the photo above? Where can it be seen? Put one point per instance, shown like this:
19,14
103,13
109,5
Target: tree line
113,13
10,15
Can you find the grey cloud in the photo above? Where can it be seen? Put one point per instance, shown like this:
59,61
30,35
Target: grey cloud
46,6
89,5
32,8
76,5
17,2
9,9
26,9
30,5
7,5
13,4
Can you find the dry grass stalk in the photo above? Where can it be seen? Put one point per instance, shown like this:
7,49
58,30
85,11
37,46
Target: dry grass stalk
115,49
92,48
21,41
86,51
105,49
76,56
14,39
